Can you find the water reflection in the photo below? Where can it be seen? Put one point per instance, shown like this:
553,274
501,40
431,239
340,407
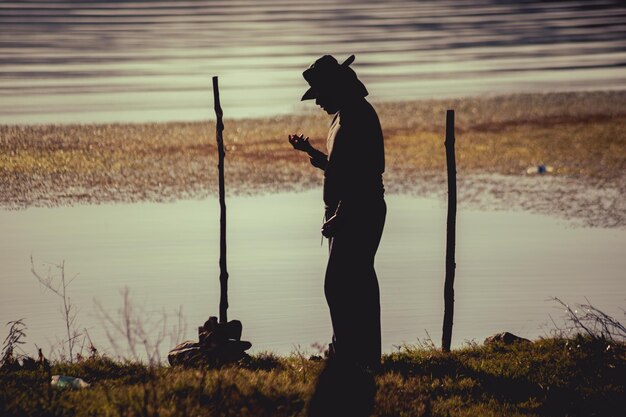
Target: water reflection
152,60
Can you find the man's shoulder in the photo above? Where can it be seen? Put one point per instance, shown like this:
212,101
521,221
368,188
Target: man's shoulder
358,113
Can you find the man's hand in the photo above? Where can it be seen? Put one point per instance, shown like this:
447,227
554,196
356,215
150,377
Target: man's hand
300,143
331,227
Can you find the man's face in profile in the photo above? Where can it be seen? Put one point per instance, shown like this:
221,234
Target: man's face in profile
328,102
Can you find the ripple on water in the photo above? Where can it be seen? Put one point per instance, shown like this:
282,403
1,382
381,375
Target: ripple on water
151,61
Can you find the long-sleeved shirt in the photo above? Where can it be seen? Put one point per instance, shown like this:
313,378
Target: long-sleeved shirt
356,159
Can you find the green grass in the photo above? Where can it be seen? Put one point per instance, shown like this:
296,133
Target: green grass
550,377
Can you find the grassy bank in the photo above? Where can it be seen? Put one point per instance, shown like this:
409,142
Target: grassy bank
551,377
581,135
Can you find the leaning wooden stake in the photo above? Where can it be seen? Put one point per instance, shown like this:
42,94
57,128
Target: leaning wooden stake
220,168
450,234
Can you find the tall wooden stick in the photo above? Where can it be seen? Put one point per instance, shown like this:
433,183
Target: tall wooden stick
448,293
220,168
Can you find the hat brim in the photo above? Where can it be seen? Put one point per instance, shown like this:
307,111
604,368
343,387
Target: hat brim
309,95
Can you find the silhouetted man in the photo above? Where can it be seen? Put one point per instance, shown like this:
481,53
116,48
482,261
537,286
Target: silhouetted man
355,207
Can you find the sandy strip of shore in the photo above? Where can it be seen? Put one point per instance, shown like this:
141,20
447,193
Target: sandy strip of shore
581,135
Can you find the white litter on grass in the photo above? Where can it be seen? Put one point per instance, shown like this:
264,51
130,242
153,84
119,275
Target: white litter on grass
62,381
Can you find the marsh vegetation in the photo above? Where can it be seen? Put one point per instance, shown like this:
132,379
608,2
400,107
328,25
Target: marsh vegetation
580,135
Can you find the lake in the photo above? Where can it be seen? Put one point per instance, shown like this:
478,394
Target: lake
509,264
142,61
119,61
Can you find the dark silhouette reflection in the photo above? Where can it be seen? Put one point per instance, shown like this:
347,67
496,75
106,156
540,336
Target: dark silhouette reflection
343,389
355,213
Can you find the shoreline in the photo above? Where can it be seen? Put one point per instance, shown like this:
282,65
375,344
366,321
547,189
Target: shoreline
580,135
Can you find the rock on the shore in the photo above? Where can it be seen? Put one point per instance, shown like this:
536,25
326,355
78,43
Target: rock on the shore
219,344
505,338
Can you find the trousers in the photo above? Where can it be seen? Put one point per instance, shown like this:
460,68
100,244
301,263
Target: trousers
351,285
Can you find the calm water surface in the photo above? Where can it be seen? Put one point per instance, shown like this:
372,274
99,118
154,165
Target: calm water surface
99,61
96,61
509,264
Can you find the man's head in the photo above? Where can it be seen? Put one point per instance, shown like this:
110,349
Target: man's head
328,101
332,83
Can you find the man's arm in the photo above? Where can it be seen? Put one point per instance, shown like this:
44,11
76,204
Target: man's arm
318,158
301,143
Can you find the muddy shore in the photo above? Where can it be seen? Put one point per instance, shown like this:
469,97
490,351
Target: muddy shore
580,136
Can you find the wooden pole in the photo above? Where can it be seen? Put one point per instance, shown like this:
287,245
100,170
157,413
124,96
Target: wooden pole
448,293
220,167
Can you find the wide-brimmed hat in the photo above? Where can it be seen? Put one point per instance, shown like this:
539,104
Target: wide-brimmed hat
327,75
